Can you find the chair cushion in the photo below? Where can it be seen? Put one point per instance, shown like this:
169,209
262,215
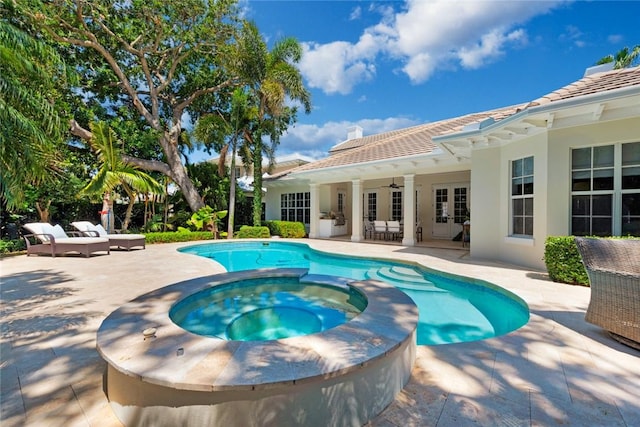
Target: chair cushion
83,225
58,232
101,231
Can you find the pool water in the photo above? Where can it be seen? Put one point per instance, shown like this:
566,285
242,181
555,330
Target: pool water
451,308
267,309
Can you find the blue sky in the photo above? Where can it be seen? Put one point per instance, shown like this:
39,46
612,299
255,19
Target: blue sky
385,65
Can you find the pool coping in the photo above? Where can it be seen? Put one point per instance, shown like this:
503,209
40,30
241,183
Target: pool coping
182,360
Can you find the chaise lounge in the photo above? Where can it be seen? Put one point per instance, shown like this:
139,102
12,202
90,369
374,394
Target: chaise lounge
48,239
613,266
120,241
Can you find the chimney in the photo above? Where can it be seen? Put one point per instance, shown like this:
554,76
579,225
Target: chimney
354,132
599,68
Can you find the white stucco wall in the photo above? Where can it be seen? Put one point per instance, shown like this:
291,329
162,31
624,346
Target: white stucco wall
490,177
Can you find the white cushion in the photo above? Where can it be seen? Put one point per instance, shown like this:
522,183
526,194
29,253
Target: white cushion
83,225
101,231
58,232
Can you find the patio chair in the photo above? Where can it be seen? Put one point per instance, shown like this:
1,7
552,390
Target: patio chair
394,230
613,266
368,229
120,241
380,229
48,239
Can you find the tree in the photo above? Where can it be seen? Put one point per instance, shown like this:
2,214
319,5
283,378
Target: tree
273,79
114,173
30,74
154,56
623,58
225,129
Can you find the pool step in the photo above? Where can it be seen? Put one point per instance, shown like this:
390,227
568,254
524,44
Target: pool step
403,277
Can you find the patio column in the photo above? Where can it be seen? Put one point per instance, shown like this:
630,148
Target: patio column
409,209
314,225
356,210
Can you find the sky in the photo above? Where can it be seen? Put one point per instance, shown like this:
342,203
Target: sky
385,65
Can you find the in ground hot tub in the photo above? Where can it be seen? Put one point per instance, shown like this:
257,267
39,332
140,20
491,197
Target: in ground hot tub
327,372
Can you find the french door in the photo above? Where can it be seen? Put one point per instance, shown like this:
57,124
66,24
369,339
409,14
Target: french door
450,209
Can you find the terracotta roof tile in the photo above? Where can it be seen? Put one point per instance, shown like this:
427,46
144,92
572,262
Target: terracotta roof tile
400,143
594,83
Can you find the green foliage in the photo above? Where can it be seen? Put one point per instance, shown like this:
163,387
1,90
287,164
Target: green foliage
9,246
248,232
206,219
173,237
563,261
290,229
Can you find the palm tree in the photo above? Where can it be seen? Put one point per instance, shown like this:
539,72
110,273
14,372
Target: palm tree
226,130
273,79
623,58
114,173
31,127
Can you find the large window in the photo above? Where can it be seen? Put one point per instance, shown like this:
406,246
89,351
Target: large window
396,205
605,190
296,207
522,197
372,205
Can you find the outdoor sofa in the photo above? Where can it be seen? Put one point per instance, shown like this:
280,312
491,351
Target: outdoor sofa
118,240
613,266
48,239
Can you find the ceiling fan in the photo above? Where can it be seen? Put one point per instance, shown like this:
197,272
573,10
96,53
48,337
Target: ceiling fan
393,184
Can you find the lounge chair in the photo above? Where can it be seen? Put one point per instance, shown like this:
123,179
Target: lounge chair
613,266
48,239
120,241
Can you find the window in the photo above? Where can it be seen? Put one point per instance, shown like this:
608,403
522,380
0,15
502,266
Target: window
342,201
605,190
460,210
296,207
372,206
522,197
396,205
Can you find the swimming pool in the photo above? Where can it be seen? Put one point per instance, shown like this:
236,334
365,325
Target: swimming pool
451,308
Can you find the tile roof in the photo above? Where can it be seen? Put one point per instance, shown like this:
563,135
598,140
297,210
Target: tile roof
400,143
418,139
594,83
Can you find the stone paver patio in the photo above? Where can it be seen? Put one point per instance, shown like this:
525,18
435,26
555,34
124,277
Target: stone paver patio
556,370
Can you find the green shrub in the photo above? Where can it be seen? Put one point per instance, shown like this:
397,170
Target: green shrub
563,261
182,236
248,232
9,246
288,229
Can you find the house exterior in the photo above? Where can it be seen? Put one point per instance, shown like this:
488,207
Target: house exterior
567,163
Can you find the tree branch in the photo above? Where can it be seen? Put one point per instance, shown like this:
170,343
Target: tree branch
149,165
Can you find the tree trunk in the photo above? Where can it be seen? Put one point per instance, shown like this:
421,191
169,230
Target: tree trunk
107,216
43,213
232,194
257,182
127,215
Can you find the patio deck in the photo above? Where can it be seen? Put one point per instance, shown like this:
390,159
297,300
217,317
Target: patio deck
556,370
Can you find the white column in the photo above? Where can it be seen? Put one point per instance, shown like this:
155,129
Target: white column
356,210
409,208
314,226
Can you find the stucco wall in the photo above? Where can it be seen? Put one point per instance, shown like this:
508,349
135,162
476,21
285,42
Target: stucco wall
490,177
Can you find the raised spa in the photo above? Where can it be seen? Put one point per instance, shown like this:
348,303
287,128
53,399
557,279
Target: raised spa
267,309
350,350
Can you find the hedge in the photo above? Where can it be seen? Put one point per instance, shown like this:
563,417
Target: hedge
179,236
289,229
248,232
563,261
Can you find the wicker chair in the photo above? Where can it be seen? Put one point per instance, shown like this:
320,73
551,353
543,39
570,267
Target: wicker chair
613,266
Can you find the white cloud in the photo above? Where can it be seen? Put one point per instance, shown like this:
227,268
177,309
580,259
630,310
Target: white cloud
356,13
615,38
315,141
424,36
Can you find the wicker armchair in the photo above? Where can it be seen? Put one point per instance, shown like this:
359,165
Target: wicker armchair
613,267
